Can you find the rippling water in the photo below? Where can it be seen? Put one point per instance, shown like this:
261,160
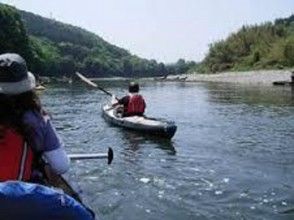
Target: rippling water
231,158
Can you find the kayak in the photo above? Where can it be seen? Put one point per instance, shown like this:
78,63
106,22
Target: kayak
153,126
21,200
283,83
147,125
48,196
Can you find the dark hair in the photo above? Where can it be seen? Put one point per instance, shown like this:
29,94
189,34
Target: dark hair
133,87
13,108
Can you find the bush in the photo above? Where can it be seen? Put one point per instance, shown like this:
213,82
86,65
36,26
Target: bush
289,51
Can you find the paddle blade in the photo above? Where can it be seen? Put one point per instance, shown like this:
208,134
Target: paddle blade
86,80
89,82
110,155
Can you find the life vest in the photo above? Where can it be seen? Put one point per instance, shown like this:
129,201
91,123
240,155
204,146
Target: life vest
136,104
15,157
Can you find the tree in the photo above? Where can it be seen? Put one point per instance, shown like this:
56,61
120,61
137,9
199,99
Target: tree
13,36
67,66
289,51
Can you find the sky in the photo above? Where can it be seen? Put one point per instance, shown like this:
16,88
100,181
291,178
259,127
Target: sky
164,30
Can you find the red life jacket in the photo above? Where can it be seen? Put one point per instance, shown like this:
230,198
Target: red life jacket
15,157
136,105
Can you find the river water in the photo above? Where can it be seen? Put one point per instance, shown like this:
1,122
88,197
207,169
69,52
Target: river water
231,158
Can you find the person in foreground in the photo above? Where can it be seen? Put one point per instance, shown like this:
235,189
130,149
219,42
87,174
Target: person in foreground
133,103
26,132
26,136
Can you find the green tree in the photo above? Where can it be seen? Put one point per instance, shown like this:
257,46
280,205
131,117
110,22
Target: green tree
13,37
289,51
67,66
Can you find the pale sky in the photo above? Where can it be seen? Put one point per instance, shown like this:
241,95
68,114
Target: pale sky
165,30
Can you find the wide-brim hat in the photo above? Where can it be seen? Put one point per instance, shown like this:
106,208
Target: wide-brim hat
14,75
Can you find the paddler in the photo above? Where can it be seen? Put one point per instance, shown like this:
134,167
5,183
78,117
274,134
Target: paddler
26,131
133,103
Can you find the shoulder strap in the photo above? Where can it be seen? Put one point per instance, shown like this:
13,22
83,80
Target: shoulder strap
23,161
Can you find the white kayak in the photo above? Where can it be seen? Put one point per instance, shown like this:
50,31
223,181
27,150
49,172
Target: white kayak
154,126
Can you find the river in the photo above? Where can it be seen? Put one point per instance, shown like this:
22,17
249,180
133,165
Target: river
231,158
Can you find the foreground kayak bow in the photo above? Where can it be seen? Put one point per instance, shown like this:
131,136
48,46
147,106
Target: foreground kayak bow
20,200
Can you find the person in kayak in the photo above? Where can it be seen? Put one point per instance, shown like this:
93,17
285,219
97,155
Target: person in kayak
26,131
133,103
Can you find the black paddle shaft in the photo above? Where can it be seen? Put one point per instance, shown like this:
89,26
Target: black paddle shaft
106,92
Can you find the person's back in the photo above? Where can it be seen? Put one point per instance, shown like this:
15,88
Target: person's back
26,132
134,103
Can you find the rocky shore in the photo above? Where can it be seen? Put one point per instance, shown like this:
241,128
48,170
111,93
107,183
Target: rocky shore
265,77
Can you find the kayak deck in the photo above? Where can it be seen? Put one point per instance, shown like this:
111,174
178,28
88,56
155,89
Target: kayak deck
21,200
159,127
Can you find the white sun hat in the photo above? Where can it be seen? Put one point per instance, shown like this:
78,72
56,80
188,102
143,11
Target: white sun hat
14,75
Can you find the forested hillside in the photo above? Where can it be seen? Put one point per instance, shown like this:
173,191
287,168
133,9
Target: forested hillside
53,48
56,49
70,48
270,45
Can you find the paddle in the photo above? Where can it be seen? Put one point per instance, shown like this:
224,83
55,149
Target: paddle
52,179
108,155
89,82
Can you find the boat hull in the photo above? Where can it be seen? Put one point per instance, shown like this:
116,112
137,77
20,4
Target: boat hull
153,126
283,83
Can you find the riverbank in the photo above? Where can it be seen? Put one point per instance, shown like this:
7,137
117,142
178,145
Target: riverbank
265,77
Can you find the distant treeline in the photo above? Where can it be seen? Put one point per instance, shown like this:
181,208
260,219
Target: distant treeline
269,45
53,48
